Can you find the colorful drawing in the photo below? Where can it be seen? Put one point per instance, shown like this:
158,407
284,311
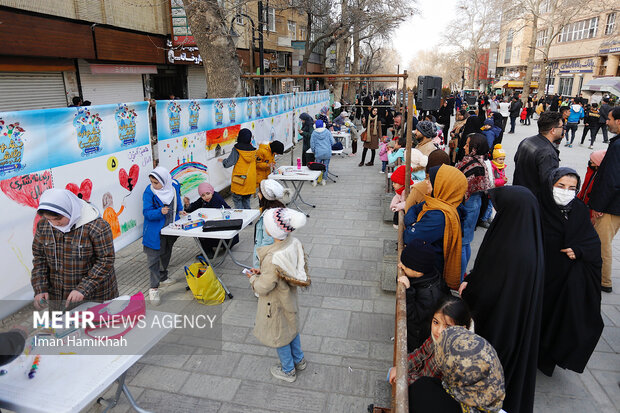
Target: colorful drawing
174,117
222,136
126,122
129,181
231,111
110,215
218,106
194,114
88,128
190,175
257,103
249,103
27,189
275,105
268,100
11,147
83,191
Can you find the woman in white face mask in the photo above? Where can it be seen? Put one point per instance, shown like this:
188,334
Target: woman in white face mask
571,321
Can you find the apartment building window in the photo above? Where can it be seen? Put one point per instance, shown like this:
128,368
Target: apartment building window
269,17
583,29
610,26
509,38
566,86
541,37
292,29
302,33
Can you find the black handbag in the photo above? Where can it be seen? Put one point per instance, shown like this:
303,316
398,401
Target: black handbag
222,225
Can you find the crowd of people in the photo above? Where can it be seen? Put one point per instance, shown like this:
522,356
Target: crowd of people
547,248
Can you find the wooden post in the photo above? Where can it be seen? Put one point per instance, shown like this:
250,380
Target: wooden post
397,91
402,129
400,395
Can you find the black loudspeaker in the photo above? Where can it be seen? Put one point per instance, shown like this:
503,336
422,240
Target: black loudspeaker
429,92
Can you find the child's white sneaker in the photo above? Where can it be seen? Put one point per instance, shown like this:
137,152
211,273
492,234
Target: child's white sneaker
154,296
167,282
276,371
323,182
313,183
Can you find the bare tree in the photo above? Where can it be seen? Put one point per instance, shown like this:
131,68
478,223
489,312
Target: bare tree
436,63
475,27
217,49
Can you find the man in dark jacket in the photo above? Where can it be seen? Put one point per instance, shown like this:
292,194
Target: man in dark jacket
515,112
537,155
602,120
605,198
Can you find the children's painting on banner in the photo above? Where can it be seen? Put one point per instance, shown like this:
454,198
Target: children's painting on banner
193,134
100,153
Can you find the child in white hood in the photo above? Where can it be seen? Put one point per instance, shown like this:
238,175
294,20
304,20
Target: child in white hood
283,267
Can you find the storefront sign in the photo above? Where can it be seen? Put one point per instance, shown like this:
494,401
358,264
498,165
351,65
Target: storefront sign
181,33
610,46
97,69
577,66
184,55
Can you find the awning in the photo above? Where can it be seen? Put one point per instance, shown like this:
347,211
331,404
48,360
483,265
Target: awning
500,84
519,84
604,84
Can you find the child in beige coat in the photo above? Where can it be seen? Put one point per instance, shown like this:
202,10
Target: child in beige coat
283,267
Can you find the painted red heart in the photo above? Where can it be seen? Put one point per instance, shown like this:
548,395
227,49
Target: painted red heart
84,190
27,189
129,181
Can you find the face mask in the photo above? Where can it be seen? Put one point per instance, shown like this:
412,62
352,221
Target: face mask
563,197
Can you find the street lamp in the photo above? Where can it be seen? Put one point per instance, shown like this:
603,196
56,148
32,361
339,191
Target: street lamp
254,38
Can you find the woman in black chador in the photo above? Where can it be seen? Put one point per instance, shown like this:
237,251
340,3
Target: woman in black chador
571,319
505,291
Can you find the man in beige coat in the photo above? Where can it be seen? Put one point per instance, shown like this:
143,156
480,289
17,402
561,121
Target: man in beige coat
283,267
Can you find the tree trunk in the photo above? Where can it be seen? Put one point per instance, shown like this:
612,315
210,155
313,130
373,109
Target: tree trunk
341,59
542,81
530,61
218,52
308,47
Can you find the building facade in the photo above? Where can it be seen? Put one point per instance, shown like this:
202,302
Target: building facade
586,48
110,51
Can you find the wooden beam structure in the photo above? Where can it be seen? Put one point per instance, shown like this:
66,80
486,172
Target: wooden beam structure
324,76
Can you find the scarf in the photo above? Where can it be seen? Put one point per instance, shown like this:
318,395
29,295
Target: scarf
63,202
499,166
476,173
448,190
458,126
370,118
472,372
167,192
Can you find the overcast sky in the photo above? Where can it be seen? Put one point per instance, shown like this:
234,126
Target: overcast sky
423,31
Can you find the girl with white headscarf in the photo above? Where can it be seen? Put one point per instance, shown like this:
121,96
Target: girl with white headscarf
161,206
73,252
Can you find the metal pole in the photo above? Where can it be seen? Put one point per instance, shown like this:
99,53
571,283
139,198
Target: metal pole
400,395
260,47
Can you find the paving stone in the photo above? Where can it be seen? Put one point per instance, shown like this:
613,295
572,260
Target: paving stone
122,406
372,327
351,348
612,337
385,306
350,304
280,398
211,387
367,364
158,401
237,408
382,351
324,322
167,355
339,403
612,313
558,403
221,365
240,313
368,306
160,378
609,381
245,348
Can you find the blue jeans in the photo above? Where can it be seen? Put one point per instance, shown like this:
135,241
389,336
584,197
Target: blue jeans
290,354
241,201
472,211
326,163
512,124
572,128
488,212
383,165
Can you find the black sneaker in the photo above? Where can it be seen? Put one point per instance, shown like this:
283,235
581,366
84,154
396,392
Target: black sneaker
606,289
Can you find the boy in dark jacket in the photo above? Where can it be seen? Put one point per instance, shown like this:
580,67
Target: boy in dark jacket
425,287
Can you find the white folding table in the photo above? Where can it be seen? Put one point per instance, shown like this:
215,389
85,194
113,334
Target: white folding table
225,237
297,178
330,174
343,136
70,382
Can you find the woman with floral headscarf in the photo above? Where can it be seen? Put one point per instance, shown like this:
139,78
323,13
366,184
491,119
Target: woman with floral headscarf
472,377
478,182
